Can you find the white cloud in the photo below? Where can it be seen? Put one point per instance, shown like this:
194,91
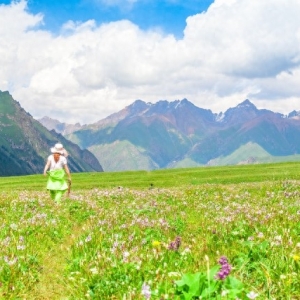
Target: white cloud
236,50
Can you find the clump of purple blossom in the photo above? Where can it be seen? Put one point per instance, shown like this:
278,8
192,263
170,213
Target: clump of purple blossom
225,268
175,244
146,292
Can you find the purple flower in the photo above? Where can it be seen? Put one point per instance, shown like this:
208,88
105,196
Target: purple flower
146,292
225,268
175,244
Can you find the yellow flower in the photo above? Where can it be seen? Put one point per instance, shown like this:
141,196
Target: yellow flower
296,257
156,244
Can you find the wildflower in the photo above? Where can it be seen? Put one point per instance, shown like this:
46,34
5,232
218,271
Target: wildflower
186,251
175,244
296,257
260,235
156,244
20,247
146,292
126,254
224,293
14,226
88,239
6,241
252,295
10,262
94,271
225,268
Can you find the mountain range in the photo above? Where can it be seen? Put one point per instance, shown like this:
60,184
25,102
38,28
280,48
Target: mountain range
25,143
146,136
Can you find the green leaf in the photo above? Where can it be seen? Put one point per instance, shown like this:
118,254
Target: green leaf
188,296
213,272
190,284
232,283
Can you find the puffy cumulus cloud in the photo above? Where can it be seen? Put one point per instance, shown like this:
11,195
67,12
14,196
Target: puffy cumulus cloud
14,17
233,51
246,38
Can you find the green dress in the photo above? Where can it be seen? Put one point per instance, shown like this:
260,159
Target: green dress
56,180
57,184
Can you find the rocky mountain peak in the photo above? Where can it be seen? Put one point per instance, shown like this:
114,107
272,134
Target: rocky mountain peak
247,104
244,111
294,114
138,106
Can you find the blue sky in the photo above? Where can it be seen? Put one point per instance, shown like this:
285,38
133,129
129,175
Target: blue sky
80,61
169,15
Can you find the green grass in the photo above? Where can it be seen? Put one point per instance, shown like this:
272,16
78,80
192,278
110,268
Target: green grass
166,177
112,239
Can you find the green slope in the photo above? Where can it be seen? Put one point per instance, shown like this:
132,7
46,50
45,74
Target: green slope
251,153
162,141
122,155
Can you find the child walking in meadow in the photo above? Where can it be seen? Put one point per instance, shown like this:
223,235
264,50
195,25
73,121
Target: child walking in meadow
57,165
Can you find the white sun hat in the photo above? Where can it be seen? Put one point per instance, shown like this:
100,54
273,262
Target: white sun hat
59,148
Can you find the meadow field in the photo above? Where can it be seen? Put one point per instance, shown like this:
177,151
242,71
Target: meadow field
201,233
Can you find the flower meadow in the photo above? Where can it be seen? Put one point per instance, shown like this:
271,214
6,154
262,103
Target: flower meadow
209,241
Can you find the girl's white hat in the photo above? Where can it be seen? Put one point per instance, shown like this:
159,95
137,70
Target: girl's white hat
59,148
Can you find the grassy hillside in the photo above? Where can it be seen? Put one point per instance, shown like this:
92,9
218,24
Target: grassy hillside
250,153
166,177
122,155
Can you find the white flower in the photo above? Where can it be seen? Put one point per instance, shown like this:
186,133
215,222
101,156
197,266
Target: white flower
278,238
94,271
252,295
126,254
260,235
14,226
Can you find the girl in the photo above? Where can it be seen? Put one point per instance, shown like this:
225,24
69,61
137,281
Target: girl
57,163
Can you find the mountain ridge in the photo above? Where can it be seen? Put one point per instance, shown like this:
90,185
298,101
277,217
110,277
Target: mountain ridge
170,134
25,143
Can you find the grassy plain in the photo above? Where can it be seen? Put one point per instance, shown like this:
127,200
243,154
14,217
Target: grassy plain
165,178
154,235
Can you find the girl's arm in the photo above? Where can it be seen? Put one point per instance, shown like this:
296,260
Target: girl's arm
67,171
46,167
